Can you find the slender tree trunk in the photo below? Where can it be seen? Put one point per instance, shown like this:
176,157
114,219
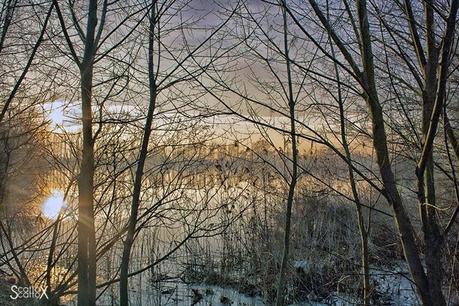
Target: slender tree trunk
128,242
54,300
280,298
426,181
426,194
364,253
25,70
86,228
403,222
4,166
367,80
7,13
451,136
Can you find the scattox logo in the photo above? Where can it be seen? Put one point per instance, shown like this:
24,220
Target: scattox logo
28,293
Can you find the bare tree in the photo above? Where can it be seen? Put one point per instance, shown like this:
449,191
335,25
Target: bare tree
158,82
429,287
92,40
9,12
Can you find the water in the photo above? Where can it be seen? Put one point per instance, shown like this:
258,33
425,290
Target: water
176,293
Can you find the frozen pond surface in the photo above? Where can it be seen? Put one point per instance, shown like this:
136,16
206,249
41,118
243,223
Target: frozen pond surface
396,284
393,282
208,295
177,293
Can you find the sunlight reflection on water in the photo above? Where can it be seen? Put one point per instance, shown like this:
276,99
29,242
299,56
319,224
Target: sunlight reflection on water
53,204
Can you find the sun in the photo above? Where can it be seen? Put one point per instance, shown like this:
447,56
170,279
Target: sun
62,115
53,204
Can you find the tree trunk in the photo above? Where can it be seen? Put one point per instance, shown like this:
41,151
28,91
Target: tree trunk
433,99
365,260
86,228
426,182
280,298
124,296
364,254
402,220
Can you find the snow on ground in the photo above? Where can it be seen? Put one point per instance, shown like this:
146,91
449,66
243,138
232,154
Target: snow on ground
395,283
392,283
180,294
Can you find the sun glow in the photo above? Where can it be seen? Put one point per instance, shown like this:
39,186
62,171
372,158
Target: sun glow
63,116
53,204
